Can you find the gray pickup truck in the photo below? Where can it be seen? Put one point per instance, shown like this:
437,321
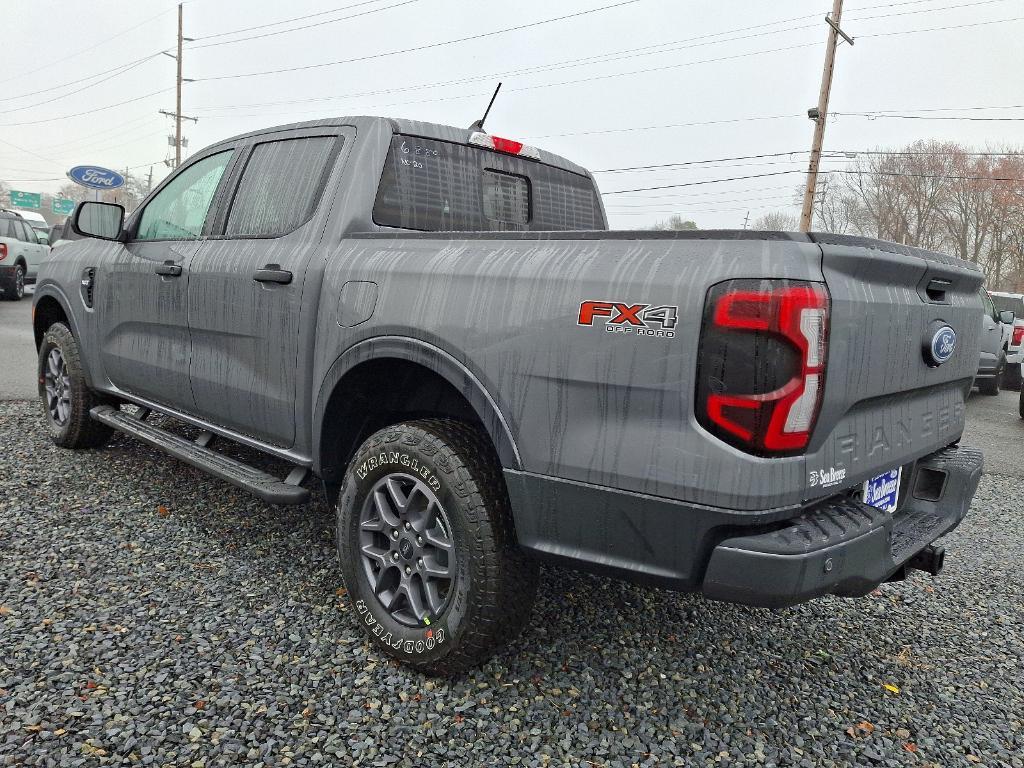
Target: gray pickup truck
436,323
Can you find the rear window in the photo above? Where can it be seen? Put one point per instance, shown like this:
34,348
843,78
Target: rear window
434,185
1009,302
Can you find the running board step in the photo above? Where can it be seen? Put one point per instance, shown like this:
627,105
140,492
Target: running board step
271,489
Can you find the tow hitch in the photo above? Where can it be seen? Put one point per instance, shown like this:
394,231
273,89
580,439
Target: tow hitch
930,560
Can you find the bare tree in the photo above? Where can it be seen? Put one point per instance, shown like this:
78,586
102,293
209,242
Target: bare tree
782,221
676,223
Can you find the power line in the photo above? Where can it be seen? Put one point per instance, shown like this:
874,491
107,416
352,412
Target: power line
118,70
781,173
885,116
306,26
286,21
422,47
86,112
105,41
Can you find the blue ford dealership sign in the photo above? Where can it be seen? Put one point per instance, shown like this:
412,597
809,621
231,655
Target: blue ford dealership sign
94,177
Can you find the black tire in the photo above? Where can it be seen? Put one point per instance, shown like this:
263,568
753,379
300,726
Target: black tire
70,426
14,286
1012,378
493,584
1020,403
993,385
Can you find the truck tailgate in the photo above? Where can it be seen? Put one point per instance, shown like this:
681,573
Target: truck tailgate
886,401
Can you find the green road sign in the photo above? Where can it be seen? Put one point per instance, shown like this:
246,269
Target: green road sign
63,207
25,199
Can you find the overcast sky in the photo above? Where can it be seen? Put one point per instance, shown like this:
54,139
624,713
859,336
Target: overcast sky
588,101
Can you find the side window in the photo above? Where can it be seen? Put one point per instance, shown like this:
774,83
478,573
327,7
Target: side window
989,306
179,210
25,232
280,186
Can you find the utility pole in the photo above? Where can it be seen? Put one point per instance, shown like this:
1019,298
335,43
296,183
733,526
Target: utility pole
177,107
149,181
176,114
820,113
746,219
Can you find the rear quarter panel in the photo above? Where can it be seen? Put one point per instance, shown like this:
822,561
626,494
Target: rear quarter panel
582,404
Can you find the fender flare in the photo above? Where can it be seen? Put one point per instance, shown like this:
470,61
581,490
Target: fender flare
434,359
50,290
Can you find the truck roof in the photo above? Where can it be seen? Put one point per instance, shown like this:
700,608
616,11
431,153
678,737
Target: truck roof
412,127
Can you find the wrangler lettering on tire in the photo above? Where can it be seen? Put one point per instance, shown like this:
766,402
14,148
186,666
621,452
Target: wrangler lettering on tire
427,548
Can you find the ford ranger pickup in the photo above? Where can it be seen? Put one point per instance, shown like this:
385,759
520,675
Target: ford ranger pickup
436,324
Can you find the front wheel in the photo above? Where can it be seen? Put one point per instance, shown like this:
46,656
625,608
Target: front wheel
427,547
64,393
14,287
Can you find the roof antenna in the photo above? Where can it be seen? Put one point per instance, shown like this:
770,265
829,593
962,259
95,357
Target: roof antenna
478,125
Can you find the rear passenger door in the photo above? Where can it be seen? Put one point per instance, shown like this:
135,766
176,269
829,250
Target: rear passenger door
246,284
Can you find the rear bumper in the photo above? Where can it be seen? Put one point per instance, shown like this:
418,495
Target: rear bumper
843,546
770,558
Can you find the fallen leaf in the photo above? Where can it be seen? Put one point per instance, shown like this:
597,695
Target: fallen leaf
4,610
973,759
162,511
90,684
33,728
200,704
891,688
910,746
341,591
59,732
865,726
458,718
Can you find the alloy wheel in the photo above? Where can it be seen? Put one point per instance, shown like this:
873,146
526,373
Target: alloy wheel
407,549
57,383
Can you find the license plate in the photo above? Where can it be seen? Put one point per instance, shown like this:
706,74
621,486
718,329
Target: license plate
883,491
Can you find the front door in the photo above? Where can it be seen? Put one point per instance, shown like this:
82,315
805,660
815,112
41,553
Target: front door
142,288
245,286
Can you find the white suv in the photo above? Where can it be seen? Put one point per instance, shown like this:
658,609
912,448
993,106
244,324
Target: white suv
1015,348
20,254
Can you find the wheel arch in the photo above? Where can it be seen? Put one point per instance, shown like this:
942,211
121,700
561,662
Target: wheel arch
48,307
417,379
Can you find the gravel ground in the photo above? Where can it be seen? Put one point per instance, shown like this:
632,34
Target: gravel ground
150,614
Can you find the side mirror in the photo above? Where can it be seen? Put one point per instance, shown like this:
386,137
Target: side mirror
100,220
1007,316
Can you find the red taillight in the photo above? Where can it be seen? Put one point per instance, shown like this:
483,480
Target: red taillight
762,363
1018,334
3,251
508,146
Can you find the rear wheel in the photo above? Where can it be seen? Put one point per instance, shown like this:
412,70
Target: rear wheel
65,396
427,547
14,286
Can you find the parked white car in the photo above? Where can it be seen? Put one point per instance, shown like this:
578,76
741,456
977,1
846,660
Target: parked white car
21,252
1013,302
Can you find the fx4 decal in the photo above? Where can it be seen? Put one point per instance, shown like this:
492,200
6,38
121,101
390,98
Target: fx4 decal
623,317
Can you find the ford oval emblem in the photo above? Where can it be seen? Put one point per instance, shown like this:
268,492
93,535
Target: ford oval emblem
943,344
94,177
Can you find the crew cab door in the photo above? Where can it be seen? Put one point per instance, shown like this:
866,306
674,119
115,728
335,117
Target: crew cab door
141,286
246,284
991,333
